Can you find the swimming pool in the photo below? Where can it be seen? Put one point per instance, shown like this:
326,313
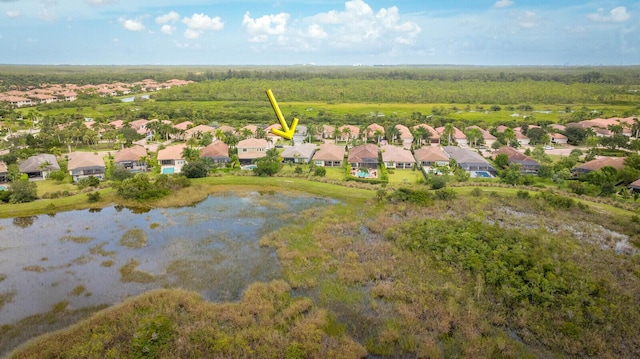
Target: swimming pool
3,188
483,174
363,174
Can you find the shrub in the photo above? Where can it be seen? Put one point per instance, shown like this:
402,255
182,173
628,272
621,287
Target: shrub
195,169
22,191
320,172
438,182
298,170
445,194
119,173
58,175
93,197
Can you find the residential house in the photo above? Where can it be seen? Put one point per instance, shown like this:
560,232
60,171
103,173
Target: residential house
633,186
251,149
396,157
117,124
329,155
487,138
132,158
458,136
374,131
183,126
16,101
527,164
601,126
558,138
39,165
364,156
615,162
226,129
181,129
327,131
405,136
85,164
434,136
522,139
4,172
171,159
430,156
348,132
140,126
217,152
470,161
198,131
301,153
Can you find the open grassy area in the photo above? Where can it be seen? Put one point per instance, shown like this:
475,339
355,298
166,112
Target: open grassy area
405,176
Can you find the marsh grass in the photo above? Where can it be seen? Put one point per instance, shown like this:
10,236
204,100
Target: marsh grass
266,322
134,238
6,297
98,249
78,290
129,273
37,269
77,239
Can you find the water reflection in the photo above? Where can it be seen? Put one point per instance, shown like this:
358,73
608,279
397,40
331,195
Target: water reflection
118,252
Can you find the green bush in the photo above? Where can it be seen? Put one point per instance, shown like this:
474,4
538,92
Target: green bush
58,175
93,197
438,182
196,169
119,173
22,191
320,172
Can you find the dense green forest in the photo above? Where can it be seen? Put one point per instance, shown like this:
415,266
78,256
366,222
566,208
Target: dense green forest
355,90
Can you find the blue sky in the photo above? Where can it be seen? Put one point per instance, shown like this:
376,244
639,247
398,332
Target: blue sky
287,32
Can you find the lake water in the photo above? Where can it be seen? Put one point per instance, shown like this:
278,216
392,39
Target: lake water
77,256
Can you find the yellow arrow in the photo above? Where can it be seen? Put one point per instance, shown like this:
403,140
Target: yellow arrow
286,131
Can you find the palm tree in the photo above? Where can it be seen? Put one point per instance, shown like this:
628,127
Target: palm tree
474,134
311,132
449,131
220,135
336,133
190,154
260,133
392,133
245,133
346,131
378,135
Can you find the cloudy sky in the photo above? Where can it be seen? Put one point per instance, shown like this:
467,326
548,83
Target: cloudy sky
286,32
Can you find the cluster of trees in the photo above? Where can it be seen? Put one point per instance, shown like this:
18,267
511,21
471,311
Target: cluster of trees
400,91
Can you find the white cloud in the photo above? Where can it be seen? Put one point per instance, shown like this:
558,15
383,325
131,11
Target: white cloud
169,18
191,34
618,14
503,3
199,23
266,25
132,24
358,24
168,29
315,31
202,22
12,13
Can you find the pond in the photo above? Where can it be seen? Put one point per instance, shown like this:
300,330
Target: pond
90,258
